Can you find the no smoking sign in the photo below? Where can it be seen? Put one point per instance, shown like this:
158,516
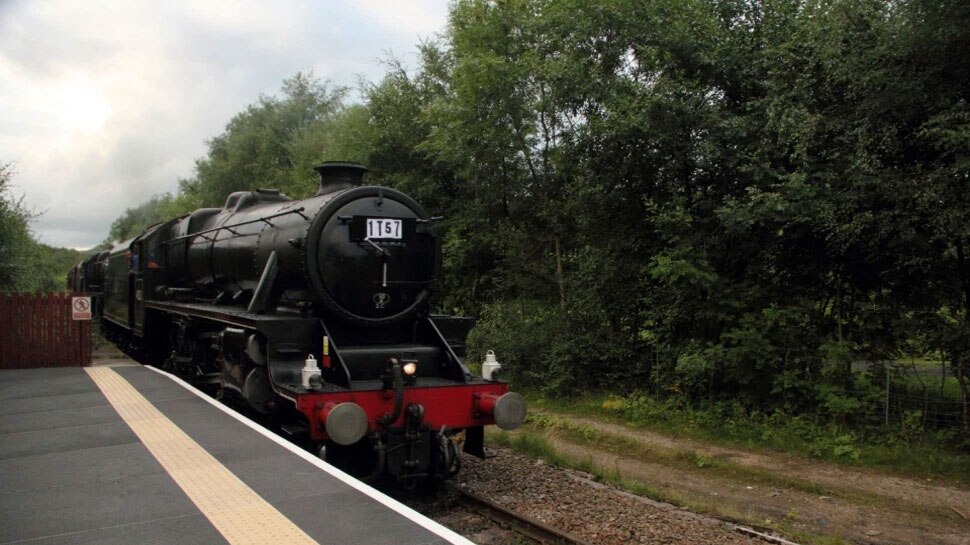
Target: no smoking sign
80,308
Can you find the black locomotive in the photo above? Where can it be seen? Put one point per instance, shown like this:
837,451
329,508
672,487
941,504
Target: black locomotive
88,277
314,312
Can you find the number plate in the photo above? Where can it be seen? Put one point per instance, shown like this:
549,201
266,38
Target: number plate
384,229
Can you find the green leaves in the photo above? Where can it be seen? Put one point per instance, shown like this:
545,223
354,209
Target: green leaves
15,238
134,220
25,264
274,143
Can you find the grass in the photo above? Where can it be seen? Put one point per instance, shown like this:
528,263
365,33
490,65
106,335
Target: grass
924,458
928,367
536,446
695,461
682,459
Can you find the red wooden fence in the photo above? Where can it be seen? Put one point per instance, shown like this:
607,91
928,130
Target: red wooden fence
36,330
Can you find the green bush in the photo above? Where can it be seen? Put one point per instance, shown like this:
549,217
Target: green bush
522,333
911,428
553,349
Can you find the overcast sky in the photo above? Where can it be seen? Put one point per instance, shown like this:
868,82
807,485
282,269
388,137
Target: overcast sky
105,103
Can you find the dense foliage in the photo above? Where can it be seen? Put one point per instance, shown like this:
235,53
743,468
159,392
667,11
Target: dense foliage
25,264
708,198
14,232
722,198
272,143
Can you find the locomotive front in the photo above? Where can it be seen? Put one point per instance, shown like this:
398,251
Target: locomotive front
318,309
372,256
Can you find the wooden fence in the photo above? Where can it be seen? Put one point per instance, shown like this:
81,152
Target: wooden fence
36,330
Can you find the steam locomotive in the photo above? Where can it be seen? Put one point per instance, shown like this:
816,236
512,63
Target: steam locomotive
314,312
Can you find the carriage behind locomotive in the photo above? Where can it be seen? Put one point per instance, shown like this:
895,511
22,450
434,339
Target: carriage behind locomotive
314,312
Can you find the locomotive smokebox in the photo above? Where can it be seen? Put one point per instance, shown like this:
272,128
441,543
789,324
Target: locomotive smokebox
338,175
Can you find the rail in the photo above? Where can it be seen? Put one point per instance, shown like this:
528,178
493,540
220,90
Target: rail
521,524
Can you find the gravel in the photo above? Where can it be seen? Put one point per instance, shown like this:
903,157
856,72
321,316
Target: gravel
572,501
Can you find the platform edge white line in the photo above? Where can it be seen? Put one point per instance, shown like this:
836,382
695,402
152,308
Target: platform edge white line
434,527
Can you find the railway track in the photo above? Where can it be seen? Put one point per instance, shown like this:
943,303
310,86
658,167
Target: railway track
518,523
548,535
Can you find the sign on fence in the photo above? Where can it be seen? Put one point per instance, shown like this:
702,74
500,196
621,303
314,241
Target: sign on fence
80,308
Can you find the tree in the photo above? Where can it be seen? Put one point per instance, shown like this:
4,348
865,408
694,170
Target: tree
728,186
259,146
26,265
158,208
15,238
273,143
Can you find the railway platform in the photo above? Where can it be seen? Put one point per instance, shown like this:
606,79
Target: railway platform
127,454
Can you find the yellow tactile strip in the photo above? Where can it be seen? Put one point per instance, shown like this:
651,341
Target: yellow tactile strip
239,513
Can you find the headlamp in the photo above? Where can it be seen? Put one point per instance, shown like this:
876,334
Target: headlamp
410,368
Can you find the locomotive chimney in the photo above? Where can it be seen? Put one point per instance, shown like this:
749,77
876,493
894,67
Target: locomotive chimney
337,175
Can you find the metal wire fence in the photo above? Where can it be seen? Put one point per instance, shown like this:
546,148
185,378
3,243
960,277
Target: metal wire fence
912,395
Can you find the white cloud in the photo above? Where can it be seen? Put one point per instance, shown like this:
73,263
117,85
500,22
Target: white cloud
103,104
421,17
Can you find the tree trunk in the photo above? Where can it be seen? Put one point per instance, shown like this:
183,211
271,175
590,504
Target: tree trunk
559,271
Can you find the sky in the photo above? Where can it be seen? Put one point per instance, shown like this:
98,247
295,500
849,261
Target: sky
105,103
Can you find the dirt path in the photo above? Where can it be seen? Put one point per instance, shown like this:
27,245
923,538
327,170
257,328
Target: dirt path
772,489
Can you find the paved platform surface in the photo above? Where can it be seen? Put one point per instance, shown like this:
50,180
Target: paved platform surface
125,454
